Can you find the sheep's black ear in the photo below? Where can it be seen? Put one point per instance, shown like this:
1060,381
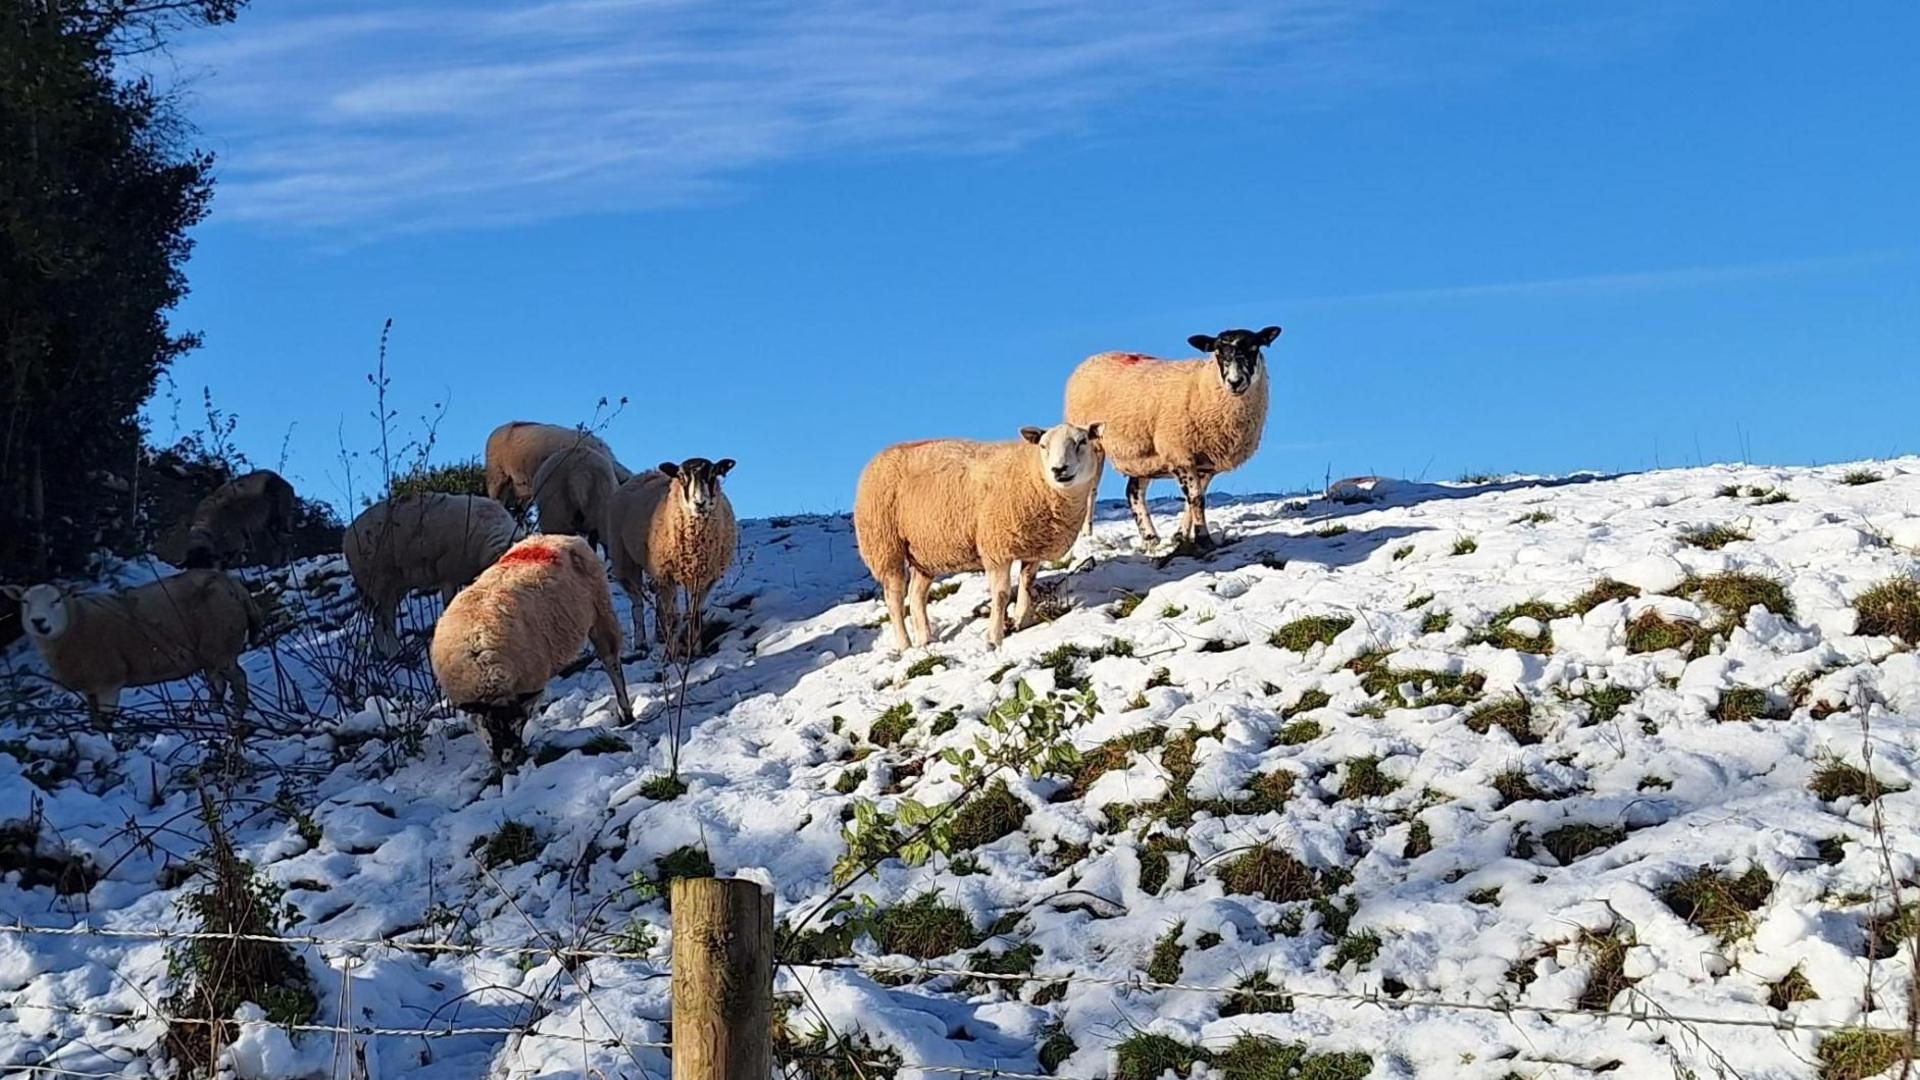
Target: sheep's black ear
669,468
1267,335
1031,434
1096,430
1203,342
723,466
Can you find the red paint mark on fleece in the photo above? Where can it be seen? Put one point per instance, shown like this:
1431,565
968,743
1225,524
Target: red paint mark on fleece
1127,358
530,555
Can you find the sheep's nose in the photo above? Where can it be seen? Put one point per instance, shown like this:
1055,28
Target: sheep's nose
1063,473
40,626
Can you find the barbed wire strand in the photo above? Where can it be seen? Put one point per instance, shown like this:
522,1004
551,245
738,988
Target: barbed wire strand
304,940
330,1029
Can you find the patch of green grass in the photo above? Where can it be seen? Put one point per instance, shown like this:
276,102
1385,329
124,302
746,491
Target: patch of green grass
1512,715
1400,553
1501,634
942,591
1126,605
664,788
1861,477
1269,872
1358,949
1514,785
1256,994
1155,866
1436,622
1160,677
1064,660
1270,793
1484,897
925,929
1605,702
1599,593
1790,989
1364,780
1172,611
512,844
1769,497
1735,593
927,665
1721,905
988,816
1466,545
1328,532
1857,1055
1711,537
1890,609
1417,602
1653,632
1419,840
945,722
1115,753
1538,517
1570,842
891,726
1057,1048
1309,701
1742,704
1145,1056
1168,955
1303,634
821,1056
1838,780
1297,732
1378,678
1606,969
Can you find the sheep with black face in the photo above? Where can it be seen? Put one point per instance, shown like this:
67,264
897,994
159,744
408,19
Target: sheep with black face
673,529
1188,419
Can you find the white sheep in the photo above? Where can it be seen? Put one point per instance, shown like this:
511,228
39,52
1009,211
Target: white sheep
247,519
97,644
1188,419
944,506
516,450
519,624
426,541
571,490
674,529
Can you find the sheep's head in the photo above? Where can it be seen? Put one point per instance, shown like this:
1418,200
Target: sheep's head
1069,455
696,482
202,551
45,610
1237,352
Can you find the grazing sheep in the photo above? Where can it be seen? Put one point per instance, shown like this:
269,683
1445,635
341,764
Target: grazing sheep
516,450
245,520
426,541
675,529
97,644
1188,419
519,624
570,492
943,506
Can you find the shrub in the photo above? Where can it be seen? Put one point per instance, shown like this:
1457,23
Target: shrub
467,477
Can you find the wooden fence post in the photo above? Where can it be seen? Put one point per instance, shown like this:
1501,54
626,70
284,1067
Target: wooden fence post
722,979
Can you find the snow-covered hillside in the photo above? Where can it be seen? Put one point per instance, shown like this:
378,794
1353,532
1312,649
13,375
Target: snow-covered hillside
1401,750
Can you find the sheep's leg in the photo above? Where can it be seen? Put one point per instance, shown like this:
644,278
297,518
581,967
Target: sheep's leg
1023,603
663,613
604,633
386,642
894,586
236,677
216,687
1137,499
1093,493
919,586
999,583
101,704
1193,522
636,598
1202,536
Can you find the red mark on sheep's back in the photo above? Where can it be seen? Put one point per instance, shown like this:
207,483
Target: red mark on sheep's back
530,555
1127,358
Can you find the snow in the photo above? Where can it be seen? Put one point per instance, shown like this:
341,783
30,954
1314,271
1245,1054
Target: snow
402,796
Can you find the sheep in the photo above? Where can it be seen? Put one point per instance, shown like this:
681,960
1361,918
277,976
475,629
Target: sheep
97,644
523,620
570,492
516,450
426,541
675,529
1188,419
943,506
247,518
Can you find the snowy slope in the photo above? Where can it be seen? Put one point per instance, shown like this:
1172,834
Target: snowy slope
1439,836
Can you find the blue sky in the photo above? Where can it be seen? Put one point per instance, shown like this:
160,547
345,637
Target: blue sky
1501,237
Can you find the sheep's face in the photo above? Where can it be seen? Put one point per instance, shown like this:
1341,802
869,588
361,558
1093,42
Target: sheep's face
44,610
696,482
202,553
1237,352
1069,455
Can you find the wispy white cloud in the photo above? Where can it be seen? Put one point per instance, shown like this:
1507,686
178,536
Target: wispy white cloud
1682,277
347,115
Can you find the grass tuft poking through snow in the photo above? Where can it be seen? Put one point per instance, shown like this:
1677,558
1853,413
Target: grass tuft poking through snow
1712,537
1269,872
1837,780
1859,1055
1890,609
1599,593
1168,953
1303,634
1510,714
925,928
1737,593
1717,903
